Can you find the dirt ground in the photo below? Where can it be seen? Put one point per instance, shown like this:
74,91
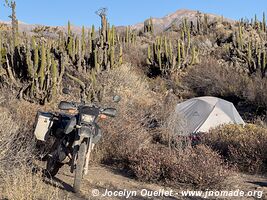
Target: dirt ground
101,179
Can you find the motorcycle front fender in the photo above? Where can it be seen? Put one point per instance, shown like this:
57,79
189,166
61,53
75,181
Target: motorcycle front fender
84,133
98,134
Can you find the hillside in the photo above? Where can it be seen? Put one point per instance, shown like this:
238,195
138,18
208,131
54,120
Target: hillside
160,24
175,19
152,66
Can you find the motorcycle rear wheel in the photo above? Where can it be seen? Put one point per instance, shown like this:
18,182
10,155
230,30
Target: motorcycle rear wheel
52,166
80,166
52,163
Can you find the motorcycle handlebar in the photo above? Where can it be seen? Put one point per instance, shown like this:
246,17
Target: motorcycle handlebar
64,105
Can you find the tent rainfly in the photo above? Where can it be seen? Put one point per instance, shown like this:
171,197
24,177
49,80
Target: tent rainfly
203,113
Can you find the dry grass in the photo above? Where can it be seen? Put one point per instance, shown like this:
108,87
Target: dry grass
20,183
245,147
17,180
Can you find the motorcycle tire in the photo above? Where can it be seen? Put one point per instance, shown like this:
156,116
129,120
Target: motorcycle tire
80,166
52,166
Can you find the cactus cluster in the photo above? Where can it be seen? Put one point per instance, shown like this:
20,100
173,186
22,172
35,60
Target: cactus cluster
250,49
36,66
168,58
149,26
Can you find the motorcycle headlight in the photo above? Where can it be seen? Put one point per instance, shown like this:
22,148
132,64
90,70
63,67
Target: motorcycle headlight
87,118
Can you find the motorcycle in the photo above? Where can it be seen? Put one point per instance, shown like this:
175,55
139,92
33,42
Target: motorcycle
76,134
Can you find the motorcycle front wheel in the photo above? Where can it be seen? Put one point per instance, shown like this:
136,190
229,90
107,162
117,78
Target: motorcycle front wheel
80,166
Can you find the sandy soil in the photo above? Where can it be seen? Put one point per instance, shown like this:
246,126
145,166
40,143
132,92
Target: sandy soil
101,179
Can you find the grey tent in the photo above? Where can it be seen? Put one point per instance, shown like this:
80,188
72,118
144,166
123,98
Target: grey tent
203,113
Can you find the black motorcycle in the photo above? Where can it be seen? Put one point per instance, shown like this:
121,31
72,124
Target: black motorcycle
76,134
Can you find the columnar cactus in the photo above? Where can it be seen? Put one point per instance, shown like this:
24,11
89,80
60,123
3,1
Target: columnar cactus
83,41
240,36
36,56
148,60
179,54
263,23
54,71
43,66
120,56
149,26
69,29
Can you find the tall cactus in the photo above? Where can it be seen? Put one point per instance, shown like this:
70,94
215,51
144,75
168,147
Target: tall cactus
113,34
36,56
249,54
148,60
179,54
263,22
264,62
43,66
29,62
127,35
83,41
54,77
112,56
69,29
14,23
149,26
240,36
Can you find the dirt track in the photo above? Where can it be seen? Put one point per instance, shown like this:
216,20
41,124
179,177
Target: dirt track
100,179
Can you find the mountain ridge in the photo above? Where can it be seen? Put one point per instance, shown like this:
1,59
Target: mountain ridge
160,23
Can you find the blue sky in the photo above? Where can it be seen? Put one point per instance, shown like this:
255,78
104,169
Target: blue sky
124,12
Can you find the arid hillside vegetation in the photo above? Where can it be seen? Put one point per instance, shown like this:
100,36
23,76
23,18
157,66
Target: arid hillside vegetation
152,69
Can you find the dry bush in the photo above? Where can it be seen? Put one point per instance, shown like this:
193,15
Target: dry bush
173,127
136,55
200,167
212,78
245,147
126,133
19,183
16,156
129,83
255,91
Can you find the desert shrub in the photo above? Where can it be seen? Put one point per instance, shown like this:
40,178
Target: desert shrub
151,163
136,55
19,183
200,167
211,78
126,133
245,147
230,82
17,159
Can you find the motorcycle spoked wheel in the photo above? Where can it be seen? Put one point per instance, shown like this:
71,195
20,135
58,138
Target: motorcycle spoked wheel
80,166
52,165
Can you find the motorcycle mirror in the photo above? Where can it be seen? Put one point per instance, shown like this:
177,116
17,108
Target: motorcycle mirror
65,91
116,98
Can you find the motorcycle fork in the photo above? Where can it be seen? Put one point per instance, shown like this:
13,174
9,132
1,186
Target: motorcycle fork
87,158
76,144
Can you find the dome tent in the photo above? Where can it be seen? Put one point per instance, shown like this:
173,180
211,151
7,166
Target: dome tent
203,113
